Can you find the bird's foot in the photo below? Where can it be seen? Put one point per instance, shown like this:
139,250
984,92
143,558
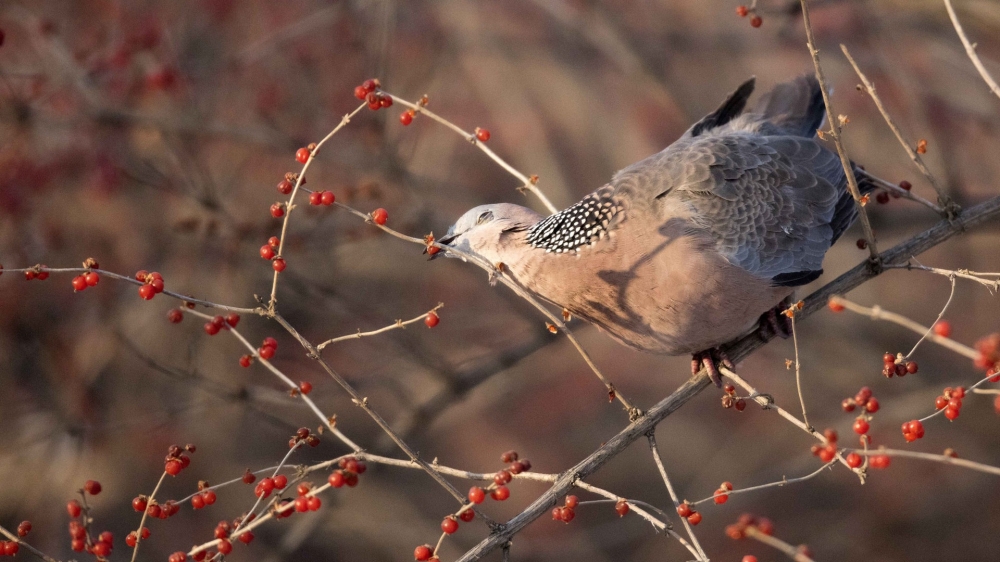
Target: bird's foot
775,322
710,359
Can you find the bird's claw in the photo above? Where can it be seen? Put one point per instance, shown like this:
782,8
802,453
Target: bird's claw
710,359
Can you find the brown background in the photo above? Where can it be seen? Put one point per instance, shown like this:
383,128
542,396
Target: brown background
178,178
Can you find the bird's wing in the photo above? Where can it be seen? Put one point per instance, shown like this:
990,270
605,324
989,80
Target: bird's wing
773,204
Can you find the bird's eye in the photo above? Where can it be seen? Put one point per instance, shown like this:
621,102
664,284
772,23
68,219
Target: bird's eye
485,217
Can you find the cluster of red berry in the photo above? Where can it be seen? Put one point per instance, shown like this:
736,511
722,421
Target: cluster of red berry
828,451
205,496
176,460
347,473
267,348
10,548
267,485
743,11
84,280
882,197
303,435
218,323
40,272
950,401
152,284
132,538
730,400
567,512
894,365
222,532
269,252
721,495
367,91
913,430
78,530
738,530
317,198
686,511
989,355
863,399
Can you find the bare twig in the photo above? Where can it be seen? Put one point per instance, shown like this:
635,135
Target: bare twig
145,513
970,49
979,467
529,182
778,484
889,186
792,552
26,546
978,277
949,206
834,120
673,495
798,373
938,319
398,324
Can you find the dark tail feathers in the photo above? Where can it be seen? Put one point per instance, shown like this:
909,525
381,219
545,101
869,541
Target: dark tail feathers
796,107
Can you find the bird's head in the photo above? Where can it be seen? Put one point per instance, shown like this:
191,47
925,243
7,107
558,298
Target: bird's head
482,230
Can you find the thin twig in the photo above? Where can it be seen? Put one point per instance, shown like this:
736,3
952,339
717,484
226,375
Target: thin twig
993,285
889,186
792,552
529,183
145,513
949,206
970,48
290,205
938,319
778,484
27,546
398,324
673,495
798,374
979,467
833,119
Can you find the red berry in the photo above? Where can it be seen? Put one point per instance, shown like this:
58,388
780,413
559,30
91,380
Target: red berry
828,434
951,412
740,404
336,479
175,316
211,328
278,265
862,243
305,387
882,198
500,493
327,198
154,511
482,134
422,553
316,198
502,477
848,405
694,518
572,501
380,216
246,360
43,274
92,278
280,481
225,547
940,402
906,185
756,21
879,461
265,352
131,539
749,558
449,525
827,453
301,504
270,342
302,155
246,537
209,497
370,85
285,187
147,292
943,328
854,460
861,426
197,502
24,528
467,515
835,306
385,100
360,92
720,496
996,404
273,242
621,508
741,11
233,319
889,359
432,319
958,392
79,283
92,487
872,405
173,467
684,510
406,118
266,252
476,495
73,508
144,533
566,514
314,503
278,210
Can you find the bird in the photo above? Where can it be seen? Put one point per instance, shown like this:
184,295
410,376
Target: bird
695,246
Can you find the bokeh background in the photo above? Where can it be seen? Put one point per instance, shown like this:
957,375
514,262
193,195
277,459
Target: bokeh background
150,135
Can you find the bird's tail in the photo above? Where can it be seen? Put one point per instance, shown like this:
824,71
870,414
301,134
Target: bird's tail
796,107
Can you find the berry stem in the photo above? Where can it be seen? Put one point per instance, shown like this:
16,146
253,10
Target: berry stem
145,514
673,495
396,325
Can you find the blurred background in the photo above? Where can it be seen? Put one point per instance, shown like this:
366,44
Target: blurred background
150,135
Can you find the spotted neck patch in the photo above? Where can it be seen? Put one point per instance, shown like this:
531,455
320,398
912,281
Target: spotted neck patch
579,225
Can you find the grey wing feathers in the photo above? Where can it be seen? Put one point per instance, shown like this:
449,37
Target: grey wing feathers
796,107
770,203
